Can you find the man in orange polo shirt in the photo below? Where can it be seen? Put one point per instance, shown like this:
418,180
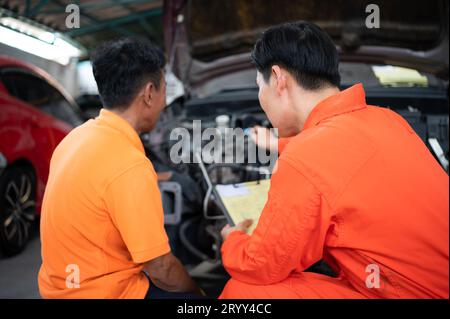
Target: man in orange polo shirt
354,186
102,220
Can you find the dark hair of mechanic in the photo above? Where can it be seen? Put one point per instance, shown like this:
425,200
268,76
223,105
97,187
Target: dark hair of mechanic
121,68
129,75
303,49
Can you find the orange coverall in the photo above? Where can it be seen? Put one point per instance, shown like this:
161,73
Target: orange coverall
359,189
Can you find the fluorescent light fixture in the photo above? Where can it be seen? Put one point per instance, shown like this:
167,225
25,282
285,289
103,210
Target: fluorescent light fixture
28,29
38,41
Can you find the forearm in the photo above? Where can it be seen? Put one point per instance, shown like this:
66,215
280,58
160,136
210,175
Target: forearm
176,279
170,275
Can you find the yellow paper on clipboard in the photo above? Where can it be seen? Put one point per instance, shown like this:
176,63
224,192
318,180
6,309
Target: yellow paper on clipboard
244,201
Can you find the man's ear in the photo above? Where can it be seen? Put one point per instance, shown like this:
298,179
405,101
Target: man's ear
279,78
149,93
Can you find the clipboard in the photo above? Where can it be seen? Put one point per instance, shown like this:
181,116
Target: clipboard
243,201
237,201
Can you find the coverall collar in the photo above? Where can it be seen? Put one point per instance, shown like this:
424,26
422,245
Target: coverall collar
349,100
118,123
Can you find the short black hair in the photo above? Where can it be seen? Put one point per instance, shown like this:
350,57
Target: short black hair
121,67
303,49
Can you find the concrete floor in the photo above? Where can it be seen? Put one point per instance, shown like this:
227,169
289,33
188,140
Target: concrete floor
18,274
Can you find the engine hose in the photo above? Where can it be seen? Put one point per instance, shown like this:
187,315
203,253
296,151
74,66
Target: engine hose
186,242
217,239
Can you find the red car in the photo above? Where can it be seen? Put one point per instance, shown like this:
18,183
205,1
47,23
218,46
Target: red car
35,115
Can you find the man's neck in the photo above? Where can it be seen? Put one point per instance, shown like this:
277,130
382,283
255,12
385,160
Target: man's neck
128,116
306,101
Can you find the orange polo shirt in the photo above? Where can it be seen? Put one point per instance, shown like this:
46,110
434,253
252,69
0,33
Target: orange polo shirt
359,189
102,215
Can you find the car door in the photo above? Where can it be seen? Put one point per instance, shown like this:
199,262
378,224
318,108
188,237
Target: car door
47,113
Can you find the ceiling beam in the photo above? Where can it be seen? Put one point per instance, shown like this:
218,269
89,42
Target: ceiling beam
114,22
96,21
102,4
35,10
147,27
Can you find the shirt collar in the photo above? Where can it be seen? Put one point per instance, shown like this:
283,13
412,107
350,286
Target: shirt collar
352,99
118,123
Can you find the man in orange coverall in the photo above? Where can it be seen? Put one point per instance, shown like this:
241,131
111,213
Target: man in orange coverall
354,186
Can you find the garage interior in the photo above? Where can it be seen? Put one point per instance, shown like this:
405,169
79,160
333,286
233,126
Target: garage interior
420,96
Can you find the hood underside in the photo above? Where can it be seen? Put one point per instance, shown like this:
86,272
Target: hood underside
221,28
205,39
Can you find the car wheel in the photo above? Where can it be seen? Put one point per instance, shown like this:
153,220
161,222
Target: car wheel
17,208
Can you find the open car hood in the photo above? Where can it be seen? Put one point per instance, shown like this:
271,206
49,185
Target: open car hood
205,39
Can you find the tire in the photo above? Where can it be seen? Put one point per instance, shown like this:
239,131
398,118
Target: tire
17,208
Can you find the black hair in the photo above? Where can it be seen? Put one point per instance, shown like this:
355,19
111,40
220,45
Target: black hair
303,49
121,67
